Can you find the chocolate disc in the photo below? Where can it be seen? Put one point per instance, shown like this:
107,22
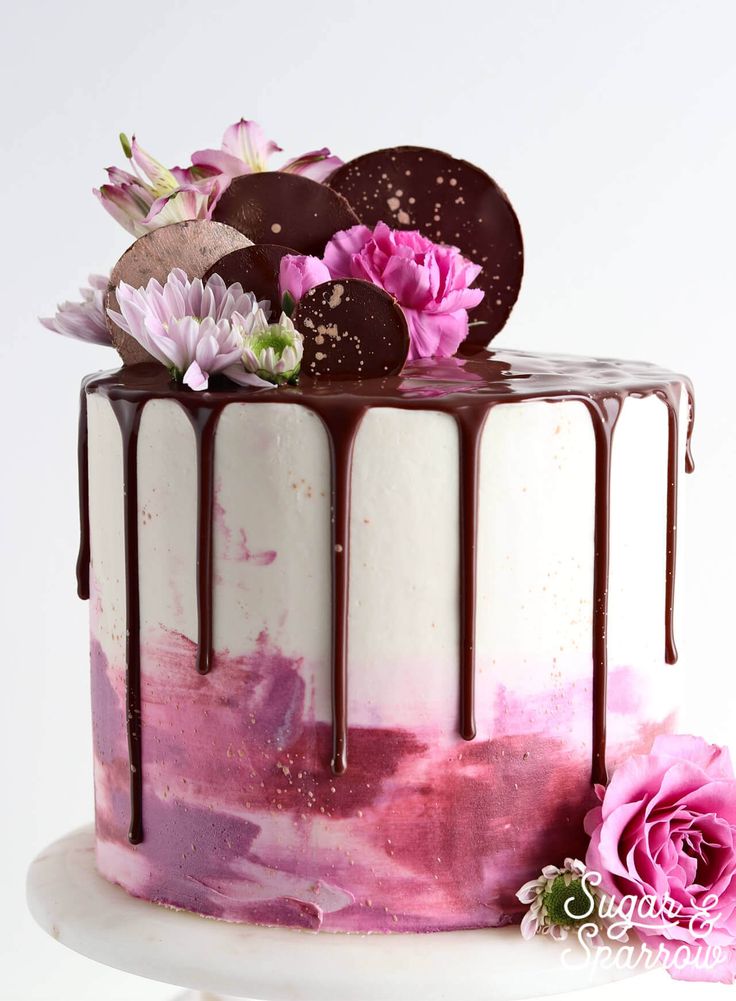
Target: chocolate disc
257,270
294,210
449,201
352,330
192,246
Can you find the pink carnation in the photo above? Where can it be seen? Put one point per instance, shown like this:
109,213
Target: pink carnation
666,830
430,281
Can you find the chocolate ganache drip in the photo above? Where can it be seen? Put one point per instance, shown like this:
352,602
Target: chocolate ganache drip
128,414
83,559
342,423
470,423
671,396
204,421
604,413
465,388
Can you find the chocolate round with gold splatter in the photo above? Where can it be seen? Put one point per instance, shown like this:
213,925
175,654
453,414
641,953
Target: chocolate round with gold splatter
352,330
193,246
257,270
293,210
450,201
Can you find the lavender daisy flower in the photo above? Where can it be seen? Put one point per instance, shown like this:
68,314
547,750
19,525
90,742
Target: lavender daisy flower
85,320
194,328
559,899
271,353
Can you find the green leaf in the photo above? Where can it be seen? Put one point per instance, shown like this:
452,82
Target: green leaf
288,304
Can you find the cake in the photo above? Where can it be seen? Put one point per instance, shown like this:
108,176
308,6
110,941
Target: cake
372,614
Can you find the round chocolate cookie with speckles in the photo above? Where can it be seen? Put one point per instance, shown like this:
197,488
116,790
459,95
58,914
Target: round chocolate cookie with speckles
352,330
295,210
257,270
449,201
192,246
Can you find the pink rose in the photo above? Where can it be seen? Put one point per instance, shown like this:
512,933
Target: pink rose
429,281
298,274
666,831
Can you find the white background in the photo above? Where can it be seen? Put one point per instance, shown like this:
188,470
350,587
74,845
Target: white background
611,126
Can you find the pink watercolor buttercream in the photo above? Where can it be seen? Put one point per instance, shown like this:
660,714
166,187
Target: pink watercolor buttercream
244,820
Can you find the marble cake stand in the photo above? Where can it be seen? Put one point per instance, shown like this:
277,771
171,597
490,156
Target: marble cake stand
71,902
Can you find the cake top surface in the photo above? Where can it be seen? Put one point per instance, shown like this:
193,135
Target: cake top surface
488,376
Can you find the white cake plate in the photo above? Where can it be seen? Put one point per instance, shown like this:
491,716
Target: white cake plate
75,905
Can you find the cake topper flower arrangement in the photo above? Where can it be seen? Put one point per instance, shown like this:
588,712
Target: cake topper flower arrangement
320,267
661,861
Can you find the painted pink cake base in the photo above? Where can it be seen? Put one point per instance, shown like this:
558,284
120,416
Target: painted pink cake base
244,821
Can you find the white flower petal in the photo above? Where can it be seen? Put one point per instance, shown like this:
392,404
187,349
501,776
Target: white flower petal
238,375
195,378
551,872
530,891
529,925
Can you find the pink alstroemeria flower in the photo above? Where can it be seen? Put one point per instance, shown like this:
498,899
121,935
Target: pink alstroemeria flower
155,196
195,329
246,150
430,281
85,320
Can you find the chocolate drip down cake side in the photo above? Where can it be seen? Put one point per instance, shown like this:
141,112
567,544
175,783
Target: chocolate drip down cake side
374,605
